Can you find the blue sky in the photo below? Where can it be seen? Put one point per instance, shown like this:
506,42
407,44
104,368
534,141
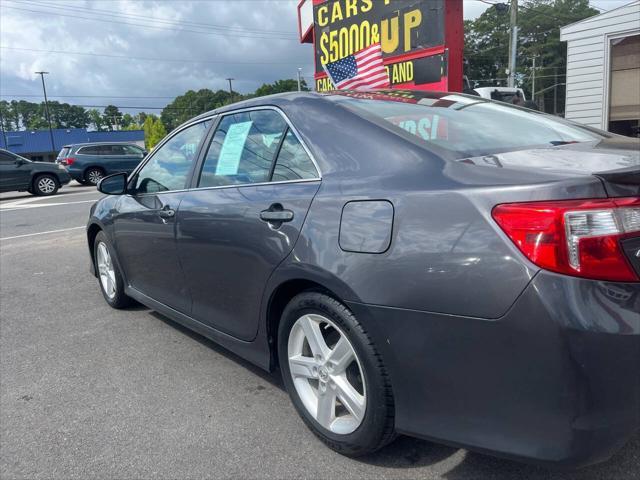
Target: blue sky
115,49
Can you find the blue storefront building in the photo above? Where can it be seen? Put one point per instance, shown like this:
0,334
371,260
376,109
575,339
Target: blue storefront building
36,144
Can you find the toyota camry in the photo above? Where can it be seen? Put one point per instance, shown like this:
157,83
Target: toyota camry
430,264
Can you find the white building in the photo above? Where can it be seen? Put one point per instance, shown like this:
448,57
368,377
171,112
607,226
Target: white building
603,70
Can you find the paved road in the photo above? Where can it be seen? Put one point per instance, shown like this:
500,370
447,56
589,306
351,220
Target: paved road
90,392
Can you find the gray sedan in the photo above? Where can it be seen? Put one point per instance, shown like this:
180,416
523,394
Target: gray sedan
431,264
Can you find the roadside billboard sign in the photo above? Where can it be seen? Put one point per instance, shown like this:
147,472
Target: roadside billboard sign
421,40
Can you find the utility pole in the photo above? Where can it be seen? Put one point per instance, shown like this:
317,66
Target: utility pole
513,43
299,85
46,108
4,135
230,88
533,81
555,91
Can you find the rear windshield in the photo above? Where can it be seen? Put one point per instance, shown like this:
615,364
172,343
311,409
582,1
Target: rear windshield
467,126
64,152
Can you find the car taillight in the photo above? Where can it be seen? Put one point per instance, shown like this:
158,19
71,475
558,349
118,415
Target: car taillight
574,237
68,160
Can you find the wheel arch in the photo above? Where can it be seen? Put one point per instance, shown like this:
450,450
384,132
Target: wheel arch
283,292
92,232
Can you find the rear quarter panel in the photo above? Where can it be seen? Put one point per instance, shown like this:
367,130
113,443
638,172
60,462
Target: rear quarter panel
446,254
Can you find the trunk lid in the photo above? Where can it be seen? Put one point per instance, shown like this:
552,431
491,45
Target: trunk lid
616,162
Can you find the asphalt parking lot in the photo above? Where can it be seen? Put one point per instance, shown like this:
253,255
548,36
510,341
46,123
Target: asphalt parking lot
90,392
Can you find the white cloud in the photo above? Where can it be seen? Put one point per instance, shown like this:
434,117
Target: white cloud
95,75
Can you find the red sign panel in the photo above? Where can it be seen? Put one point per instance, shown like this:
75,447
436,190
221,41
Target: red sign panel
422,40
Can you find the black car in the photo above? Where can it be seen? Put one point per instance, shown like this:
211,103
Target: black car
432,264
18,174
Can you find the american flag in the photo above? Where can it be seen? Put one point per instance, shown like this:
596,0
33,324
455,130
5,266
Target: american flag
362,70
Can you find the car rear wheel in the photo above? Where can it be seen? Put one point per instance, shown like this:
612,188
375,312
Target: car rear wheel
93,175
45,185
334,375
109,276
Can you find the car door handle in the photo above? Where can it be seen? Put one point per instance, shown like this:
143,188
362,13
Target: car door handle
276,215
167,212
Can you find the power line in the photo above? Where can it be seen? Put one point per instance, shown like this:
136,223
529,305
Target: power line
263,37
170,60
28,95
147,18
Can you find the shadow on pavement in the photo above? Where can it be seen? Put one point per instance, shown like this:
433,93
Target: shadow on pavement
625,465
272,378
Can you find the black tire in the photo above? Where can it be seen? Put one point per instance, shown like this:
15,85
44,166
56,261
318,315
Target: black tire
44,185
119,299
93,175
377,427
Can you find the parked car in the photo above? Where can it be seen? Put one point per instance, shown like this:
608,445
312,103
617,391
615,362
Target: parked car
89,162
431,264
503,94
19,174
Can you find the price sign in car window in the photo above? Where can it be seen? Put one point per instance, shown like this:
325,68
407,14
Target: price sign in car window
232,148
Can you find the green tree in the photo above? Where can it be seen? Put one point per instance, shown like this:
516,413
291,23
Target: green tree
280,86
127,119
26,113
96,119
147,126
20,114
539,21
7,115
64,115
193,103
140,118
157,133
111,117
39,123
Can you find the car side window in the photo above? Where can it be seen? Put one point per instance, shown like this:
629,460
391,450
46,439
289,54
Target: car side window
117,150
293,162
89,151
131,150
169,165
6,158
243,149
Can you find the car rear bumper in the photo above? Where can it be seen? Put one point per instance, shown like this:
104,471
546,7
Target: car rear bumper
76,175
64,178
556,380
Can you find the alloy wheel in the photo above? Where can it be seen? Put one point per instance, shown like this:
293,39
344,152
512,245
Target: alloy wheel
106,270
94,176
46,185
327,374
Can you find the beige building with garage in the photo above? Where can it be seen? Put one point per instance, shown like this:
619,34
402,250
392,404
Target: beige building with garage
603,70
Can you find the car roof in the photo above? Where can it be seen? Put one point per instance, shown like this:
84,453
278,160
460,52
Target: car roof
499,89
4,150
282,99
87,144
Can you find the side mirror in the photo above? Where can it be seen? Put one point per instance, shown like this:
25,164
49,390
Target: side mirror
115,184
144,154
20,161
